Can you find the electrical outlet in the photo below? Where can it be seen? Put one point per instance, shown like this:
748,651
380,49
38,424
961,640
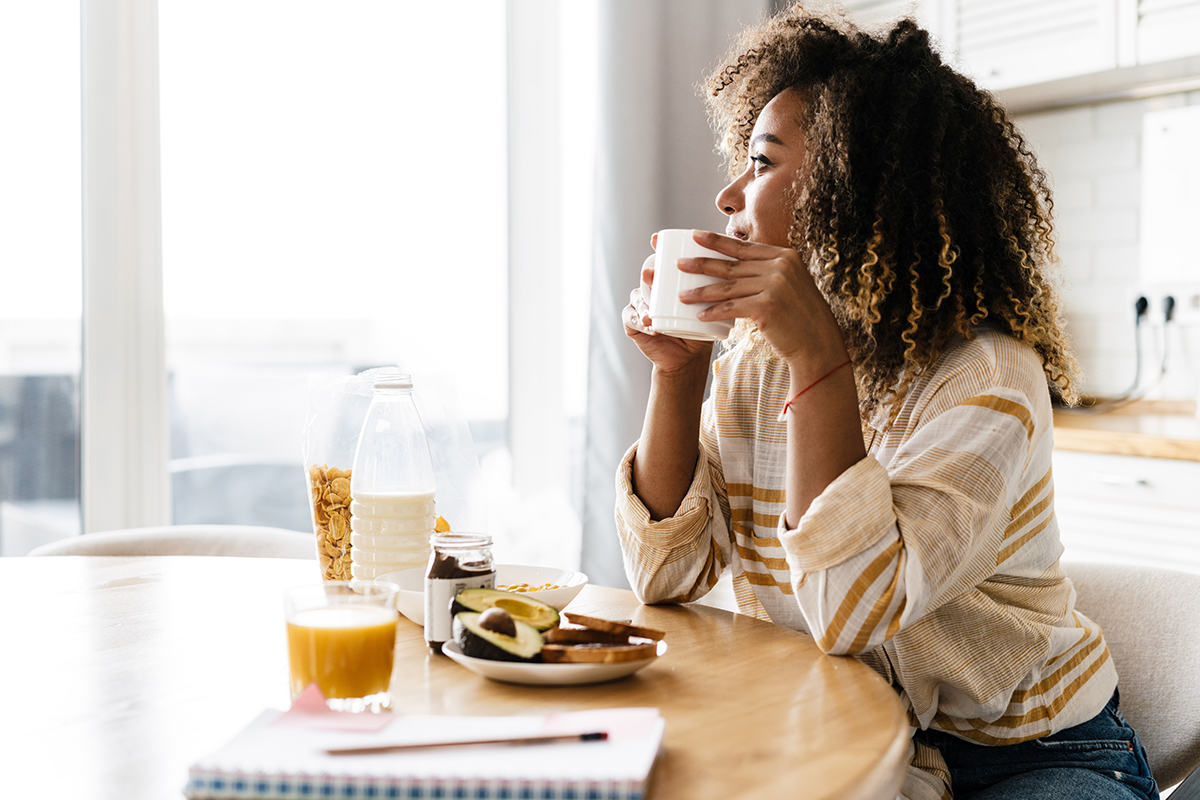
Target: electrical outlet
1156,309
1186,310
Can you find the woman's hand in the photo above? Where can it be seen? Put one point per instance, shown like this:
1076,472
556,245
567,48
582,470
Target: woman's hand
668,353
772,287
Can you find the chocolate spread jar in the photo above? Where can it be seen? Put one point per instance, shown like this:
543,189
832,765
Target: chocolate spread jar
457,561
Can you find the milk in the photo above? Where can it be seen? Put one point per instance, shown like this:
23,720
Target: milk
390,532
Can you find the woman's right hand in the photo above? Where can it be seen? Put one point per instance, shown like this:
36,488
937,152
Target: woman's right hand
667,353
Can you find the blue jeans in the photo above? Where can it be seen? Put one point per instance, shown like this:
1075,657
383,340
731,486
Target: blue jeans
1098,759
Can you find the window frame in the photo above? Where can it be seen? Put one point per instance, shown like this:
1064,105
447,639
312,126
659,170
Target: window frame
124,438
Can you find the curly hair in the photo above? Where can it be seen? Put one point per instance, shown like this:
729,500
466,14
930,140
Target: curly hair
921,209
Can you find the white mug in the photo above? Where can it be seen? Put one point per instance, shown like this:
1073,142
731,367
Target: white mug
667,314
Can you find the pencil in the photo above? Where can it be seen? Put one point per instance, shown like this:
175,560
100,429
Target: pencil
597,736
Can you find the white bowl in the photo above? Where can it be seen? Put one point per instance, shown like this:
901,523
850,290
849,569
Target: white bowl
410,600
572,582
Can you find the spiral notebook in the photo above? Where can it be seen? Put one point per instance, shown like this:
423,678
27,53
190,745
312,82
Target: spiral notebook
280,757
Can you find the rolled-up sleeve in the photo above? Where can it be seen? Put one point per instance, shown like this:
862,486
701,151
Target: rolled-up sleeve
677,559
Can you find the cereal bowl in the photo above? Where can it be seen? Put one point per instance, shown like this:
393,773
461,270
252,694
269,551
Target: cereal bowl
410,599
568,583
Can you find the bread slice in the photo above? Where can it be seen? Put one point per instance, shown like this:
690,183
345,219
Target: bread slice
583,636
611,626
597,653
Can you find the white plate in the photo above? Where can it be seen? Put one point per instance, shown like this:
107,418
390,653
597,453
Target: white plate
547,674
410,600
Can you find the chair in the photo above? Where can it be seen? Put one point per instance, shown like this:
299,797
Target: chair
187,540
1151,621
239,490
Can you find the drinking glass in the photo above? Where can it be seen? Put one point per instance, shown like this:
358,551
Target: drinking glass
342,637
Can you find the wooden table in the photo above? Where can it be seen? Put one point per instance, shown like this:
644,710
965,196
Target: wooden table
120,672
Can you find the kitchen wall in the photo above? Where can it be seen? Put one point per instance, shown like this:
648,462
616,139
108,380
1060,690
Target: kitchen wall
1093,154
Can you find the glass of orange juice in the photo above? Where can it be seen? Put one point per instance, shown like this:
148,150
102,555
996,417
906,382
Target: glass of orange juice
342,637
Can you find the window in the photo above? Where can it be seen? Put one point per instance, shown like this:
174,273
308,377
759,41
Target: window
40,293
333,199
334,196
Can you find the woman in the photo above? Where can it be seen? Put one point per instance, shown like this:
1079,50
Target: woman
873,465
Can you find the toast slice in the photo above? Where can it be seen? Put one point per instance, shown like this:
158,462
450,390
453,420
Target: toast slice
612,626
583,636
597,653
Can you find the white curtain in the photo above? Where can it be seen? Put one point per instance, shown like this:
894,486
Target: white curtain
656,168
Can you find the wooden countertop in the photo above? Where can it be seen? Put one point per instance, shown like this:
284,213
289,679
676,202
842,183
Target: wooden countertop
1149,428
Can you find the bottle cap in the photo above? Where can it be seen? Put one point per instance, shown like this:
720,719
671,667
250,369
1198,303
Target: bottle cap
392,379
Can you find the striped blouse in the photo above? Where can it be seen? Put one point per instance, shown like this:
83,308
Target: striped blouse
935,560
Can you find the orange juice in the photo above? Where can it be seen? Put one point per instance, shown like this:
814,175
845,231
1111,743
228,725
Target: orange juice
347,650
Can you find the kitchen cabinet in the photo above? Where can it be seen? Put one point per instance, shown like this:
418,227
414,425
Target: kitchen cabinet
1128,509
1165,29
1007,44
870,13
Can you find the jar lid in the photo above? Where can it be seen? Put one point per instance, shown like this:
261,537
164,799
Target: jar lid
451,540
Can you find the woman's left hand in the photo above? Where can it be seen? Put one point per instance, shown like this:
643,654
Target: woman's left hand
772,287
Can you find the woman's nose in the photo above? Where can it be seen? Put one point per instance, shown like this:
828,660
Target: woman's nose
729,199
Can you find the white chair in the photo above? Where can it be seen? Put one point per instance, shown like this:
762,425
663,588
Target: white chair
187,540
1151,620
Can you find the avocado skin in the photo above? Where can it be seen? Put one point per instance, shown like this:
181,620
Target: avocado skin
543,616
477,642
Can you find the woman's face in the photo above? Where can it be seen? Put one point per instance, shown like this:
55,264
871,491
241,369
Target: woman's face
759,202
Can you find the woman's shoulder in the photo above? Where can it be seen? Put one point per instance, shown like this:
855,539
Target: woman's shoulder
991,357
989,363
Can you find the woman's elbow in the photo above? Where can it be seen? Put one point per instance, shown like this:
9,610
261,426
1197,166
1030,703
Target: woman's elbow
833,644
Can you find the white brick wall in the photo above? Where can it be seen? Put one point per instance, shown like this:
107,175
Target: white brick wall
1093,156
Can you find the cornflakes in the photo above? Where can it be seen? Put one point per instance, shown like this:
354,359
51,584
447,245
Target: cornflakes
330,487
525,587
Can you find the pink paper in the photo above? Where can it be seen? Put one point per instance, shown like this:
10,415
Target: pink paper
309,711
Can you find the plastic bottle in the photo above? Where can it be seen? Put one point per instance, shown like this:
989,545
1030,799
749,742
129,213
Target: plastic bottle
392,512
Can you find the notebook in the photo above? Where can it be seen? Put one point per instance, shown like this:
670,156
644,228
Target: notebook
281,757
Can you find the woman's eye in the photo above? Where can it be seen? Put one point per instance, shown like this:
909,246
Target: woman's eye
760,161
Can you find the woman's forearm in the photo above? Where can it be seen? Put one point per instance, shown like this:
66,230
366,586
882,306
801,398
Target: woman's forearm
667,451
824,434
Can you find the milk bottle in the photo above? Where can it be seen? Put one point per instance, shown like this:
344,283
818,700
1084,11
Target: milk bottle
392,512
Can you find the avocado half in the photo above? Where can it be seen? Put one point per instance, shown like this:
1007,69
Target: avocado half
541,616
478,642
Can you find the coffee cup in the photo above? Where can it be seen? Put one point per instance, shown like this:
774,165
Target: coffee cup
668,315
